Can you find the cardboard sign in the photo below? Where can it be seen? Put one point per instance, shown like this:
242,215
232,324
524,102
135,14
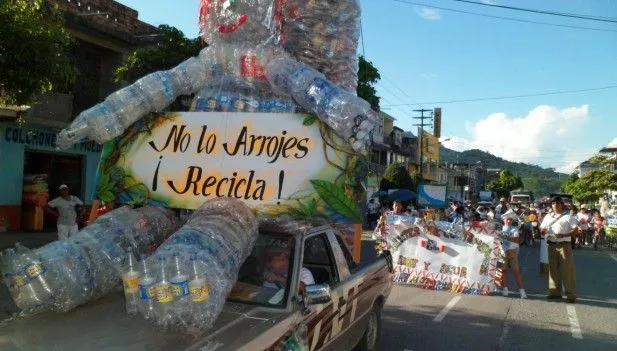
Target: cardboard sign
276,163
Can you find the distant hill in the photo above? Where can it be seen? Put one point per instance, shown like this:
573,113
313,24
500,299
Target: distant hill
542,181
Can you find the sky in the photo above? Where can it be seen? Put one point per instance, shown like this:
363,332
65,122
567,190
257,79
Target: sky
427,57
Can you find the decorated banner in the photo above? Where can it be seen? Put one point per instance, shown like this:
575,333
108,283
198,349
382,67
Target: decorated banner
276,163
442,255
432,195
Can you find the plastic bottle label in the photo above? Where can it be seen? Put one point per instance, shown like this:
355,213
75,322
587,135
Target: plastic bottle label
146,291
164,293
33,270
131,283
199,292
20,280
180,288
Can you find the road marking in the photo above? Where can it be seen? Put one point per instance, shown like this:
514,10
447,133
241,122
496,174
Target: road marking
504,335
614,257
446,309
575,328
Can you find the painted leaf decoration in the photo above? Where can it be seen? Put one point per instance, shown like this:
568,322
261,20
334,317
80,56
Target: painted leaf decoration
107,196
335,197
309,120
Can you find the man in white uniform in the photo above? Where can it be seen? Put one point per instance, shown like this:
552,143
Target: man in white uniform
64,207
558,229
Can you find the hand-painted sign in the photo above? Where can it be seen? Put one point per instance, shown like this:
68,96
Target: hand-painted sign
437,255
276,163
432,195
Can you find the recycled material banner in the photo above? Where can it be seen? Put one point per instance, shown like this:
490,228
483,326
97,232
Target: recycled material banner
437,255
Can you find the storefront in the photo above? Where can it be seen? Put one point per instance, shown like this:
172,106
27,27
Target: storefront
31,169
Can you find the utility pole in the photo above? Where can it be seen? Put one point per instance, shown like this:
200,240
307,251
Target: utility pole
422,117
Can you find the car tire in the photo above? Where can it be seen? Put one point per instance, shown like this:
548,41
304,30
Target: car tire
372,335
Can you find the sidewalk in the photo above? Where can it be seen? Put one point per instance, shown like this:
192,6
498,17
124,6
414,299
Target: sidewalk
28,239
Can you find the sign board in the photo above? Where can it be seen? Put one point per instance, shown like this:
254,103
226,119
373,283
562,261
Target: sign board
276,163
437,122
432,195
611,221
433,255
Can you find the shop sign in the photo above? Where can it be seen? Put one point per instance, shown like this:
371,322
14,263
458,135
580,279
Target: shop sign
43,139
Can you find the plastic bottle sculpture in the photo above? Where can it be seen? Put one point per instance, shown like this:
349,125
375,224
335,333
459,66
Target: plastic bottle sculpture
198,265
263,56
67,273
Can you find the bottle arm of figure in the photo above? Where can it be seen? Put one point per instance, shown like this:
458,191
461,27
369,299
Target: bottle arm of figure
122,108
348,115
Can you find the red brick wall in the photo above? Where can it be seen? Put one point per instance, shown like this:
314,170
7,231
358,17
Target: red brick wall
116,15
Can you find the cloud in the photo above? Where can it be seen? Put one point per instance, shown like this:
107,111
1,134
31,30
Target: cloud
546,136
428,76
429,14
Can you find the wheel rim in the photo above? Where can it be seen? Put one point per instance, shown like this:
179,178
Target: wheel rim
371,331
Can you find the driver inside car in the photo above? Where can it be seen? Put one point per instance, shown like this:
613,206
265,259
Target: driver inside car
277,269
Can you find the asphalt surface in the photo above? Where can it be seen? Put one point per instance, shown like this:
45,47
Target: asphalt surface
417,319
494,322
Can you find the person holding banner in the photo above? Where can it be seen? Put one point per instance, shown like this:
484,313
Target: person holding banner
558,228
510,244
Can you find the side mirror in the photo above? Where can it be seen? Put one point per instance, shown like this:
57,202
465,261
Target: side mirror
317,294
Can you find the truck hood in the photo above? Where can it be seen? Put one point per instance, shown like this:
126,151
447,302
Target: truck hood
104,325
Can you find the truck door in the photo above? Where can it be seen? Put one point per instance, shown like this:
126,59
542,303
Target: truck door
328,320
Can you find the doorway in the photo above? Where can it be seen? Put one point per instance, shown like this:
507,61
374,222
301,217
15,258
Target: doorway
60,169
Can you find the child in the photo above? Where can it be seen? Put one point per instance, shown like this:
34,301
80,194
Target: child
509,242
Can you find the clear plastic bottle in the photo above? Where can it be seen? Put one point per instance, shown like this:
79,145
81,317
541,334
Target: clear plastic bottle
164,294
198,287
130,280
180,284
147,291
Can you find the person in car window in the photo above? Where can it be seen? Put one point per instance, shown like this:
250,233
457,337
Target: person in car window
277,268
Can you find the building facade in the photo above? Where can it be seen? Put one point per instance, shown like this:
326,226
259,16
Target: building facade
104,33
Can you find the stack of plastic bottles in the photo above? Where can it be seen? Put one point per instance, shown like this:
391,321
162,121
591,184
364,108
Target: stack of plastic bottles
67,273
324,34
349,116
184,285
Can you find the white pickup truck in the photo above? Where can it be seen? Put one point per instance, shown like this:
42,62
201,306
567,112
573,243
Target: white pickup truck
341,311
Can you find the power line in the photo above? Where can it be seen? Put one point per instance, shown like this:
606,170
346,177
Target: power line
558,92
543,12
504,18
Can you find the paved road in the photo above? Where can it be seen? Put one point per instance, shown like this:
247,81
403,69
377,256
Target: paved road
500,323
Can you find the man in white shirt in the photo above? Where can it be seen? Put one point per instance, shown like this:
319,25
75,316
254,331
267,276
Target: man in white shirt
558,229
277,267
64,207
501,208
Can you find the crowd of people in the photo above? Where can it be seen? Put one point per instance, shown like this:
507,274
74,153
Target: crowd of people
561,227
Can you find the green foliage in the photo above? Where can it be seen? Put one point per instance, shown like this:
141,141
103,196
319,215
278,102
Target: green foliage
168,53
304,210
34,51
368,75
535,178
310,120
505,183
396,176
569,182
592,185
336,198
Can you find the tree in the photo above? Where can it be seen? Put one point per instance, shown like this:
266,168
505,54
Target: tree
568,183
368,75
170,51
34,51
592,185
505,183
397,177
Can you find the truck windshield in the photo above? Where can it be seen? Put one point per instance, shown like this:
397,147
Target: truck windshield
521,198
265,276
